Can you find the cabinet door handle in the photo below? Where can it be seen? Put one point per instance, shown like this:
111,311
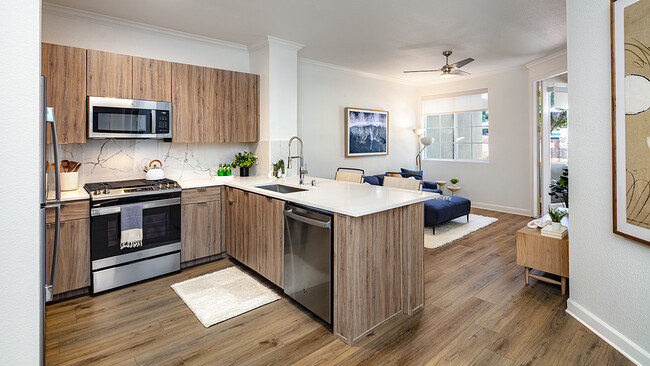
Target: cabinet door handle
202,190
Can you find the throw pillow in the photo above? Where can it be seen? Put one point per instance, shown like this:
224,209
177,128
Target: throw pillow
409,173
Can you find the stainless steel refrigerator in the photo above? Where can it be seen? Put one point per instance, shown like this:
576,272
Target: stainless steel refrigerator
50,192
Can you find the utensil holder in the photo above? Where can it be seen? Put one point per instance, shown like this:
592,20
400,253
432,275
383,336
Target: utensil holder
69,181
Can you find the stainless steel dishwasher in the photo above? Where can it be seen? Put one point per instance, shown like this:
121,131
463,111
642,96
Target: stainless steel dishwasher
308,258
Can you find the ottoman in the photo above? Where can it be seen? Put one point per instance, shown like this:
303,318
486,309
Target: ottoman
437,211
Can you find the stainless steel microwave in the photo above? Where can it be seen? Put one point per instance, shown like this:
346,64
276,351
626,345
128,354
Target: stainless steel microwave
129,119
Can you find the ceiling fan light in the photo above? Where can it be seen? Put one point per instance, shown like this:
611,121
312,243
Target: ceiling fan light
446,75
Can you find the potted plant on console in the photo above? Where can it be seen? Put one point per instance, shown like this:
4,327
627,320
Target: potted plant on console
556,217
244,161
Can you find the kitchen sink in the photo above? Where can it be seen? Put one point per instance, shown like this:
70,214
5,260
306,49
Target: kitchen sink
280,188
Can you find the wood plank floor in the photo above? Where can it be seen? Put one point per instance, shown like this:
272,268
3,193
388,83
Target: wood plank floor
477,312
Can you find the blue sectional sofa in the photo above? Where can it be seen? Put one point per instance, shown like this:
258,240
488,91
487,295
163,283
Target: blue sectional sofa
436,211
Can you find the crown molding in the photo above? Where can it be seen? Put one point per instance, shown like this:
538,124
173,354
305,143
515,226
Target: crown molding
87,16
356,72
284,43
546,58
274,41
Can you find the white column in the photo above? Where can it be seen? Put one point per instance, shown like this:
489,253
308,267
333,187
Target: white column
276,61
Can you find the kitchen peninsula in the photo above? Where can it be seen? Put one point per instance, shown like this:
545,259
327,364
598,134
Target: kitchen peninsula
378,245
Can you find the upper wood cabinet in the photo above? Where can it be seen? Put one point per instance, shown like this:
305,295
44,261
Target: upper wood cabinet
209,105
65,69
152,79
109,74
189,103
238,108
212,105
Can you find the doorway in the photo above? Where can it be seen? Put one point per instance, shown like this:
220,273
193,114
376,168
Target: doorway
552,142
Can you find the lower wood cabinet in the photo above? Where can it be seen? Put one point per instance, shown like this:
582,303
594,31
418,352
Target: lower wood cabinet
73,261
254,232
201,221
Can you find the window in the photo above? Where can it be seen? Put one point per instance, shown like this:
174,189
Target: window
459,126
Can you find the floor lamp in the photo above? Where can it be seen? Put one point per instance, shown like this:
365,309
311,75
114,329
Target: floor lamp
425,141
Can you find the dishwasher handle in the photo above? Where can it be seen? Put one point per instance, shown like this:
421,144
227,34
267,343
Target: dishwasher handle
322,224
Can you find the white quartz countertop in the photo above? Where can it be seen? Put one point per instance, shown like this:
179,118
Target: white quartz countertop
352,199
79,194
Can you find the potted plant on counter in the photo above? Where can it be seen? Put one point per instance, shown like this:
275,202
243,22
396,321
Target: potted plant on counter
278,169
556,217
244,161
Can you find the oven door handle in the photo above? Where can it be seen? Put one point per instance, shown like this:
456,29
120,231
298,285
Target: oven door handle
153,204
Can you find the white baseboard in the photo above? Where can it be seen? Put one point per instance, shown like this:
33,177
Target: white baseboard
610,335
507,209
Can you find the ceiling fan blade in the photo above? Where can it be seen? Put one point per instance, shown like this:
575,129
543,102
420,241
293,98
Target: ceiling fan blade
462,63
460,72
413,71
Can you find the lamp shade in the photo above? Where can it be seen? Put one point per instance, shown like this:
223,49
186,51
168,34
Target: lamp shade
426,141
418,131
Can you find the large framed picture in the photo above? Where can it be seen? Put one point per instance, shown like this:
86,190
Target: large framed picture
366,132
631,118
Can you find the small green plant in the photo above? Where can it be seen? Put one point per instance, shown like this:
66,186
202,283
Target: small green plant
245,159
454,180
556,214
278,168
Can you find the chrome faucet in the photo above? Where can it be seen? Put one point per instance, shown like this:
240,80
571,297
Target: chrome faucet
303,171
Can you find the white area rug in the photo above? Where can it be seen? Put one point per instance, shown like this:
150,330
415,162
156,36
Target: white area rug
222,295
454,229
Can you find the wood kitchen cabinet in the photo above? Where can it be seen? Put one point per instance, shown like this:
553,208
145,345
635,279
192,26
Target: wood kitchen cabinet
201,221
73,262
213,105
254,232
152,79
65,69
190,104
238,108
109,74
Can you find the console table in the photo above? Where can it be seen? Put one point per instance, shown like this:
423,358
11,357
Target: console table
549,255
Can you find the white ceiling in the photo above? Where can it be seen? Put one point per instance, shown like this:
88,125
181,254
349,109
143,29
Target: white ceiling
380,37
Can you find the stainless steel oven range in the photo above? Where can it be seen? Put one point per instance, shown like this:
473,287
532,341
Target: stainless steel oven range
159,254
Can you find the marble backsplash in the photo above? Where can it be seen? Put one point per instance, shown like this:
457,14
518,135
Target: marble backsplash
118,159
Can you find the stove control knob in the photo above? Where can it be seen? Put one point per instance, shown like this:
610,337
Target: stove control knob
97,192
175,185
168,186
160,186
106,191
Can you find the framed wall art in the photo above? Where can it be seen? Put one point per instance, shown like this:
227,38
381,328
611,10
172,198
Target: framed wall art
366,132
631,118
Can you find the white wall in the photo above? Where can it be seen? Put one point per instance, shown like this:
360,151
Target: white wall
504,183
323,94
20,276
77,28
609,275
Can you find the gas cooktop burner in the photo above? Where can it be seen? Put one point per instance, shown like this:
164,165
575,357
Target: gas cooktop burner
130,187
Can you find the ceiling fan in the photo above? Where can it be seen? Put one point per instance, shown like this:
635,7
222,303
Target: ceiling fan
448,70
